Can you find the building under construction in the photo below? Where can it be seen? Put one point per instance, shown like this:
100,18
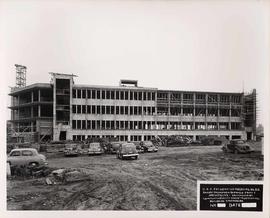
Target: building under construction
63,110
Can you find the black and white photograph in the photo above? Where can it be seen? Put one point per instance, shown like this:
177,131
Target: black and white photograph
135,106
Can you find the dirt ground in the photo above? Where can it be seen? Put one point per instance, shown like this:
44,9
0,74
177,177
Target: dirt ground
166,180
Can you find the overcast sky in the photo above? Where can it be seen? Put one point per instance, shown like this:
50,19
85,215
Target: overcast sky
185,45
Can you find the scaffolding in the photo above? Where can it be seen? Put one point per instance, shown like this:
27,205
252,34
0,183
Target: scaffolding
20,76
250,110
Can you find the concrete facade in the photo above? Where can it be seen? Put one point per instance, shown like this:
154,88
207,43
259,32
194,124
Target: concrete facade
127,111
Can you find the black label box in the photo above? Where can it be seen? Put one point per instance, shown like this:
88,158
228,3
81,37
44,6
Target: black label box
231,197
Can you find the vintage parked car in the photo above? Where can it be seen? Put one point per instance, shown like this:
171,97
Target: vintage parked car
95,148
72,150
139,148
127,150
148,146
113,147
237,146
26,157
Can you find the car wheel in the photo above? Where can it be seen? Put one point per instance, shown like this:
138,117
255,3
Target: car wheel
136,158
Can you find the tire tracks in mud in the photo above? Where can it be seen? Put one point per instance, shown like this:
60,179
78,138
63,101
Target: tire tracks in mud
163,181
121,190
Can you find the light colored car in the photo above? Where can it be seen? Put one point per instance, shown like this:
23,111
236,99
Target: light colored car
148,146
127,150
95,148
237,146
72,150
26,157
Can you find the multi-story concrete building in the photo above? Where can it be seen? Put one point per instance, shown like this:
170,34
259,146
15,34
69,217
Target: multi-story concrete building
62,110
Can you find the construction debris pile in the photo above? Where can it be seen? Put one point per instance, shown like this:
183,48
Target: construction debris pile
63,176
24,171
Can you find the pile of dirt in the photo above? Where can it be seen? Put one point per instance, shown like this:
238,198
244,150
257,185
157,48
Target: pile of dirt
63,176
29,171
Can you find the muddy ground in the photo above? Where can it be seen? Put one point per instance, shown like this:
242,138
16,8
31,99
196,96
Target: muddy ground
165,180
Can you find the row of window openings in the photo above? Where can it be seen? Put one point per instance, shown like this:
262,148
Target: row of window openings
199,97
149,125
97,109
111,94
176,111
126,95
116,138
136,110
134,138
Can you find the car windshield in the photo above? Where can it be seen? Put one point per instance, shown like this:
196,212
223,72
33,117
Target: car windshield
115,145
240,142
149,144
94,145
129,148
15,153
70,146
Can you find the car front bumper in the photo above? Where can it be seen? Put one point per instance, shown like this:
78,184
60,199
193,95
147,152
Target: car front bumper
95,152
130,155
71,153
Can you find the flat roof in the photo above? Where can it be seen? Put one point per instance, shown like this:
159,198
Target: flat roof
32,86
82,86
114,87
200,92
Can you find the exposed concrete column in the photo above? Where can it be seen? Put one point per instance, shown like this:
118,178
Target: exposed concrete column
55,135
155,110
13,101
114,117
206,111
32,96
32,111
169,110
181,104
39,95
194,110
218,111
230,114
39,111
169,105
